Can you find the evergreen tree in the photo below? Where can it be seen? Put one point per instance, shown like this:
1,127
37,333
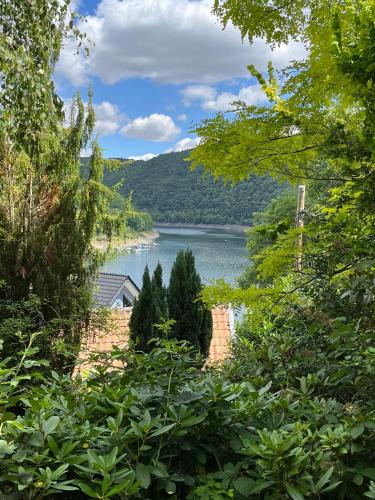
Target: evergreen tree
193,320
144,315
160,292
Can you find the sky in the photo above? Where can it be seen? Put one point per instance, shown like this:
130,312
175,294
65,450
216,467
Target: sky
158,68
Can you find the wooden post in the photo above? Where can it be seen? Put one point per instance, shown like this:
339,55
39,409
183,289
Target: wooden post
299,225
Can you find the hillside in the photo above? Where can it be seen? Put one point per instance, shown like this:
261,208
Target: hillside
166,188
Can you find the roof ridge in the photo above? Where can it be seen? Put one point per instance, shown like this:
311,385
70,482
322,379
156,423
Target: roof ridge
114,274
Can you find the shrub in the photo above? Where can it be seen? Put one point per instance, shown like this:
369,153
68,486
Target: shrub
159,426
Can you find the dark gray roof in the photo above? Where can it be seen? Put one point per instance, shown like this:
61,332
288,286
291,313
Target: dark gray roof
107,286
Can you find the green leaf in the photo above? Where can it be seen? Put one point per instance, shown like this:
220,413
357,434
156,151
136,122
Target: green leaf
142,473
5,448
147,420
265,389
64,486
193,420
162,430
357,430
159,470
87,490
293,492
53,445
106,483
50,425
59,471
188,397
331,487
136,429
324,479
244,485
260,486
369,472
170,487
358,479
36,439
118,488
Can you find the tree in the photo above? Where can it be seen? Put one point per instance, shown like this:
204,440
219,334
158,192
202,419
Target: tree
310,101
49,210
193,319
160,292
268,227
317,126
145,315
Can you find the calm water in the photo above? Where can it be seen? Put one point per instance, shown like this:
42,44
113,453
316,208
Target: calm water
218,254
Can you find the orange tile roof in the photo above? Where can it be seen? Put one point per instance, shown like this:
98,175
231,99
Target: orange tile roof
221,335
116,332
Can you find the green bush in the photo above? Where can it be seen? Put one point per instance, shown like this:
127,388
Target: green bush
159,426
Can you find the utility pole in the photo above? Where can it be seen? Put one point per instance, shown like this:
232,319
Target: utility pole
299,225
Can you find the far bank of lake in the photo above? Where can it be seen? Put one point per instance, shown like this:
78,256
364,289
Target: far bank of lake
122,244
218,253
230,228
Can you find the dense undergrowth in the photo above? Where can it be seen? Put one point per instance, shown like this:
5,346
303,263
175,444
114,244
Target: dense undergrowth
161,427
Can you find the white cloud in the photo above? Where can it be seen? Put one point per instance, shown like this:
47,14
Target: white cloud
145,157
251,95
108,118
174,41
182,118
156,128
74,67
194,93
211,100
73,5
184,144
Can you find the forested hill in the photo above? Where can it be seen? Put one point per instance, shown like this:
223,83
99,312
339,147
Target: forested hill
166,188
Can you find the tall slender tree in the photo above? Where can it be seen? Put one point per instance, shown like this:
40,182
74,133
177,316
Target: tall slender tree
193,319
48,209
145,315
160,292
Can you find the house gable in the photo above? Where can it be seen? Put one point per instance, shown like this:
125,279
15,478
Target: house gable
114,291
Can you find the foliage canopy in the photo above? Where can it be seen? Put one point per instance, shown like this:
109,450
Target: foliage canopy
49,211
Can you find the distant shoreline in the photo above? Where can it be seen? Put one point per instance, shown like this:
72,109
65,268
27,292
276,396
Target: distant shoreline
130,242
233,228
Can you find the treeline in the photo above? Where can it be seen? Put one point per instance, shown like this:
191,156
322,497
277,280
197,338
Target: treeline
166,188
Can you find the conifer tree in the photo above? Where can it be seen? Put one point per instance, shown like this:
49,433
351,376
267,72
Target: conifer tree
193,319
160,292
145,315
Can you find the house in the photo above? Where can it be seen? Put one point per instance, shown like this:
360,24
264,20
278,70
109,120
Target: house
118,292
115,291
117,333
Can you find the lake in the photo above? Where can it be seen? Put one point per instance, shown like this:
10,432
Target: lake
218,254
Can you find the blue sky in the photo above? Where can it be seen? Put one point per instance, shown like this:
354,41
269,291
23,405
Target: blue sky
157,68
